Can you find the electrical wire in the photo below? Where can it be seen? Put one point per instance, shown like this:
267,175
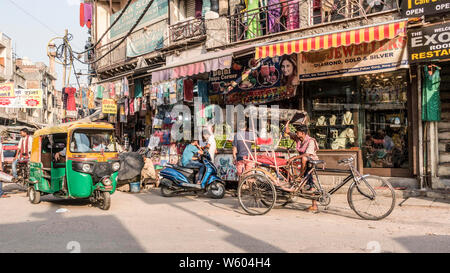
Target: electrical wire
120,42
110,27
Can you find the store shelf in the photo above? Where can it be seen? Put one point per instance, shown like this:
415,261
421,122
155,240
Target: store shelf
334,106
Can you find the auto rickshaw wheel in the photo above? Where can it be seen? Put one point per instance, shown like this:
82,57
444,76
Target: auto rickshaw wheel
33,195
104,200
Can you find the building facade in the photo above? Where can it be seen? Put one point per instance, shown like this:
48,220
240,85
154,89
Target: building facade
352,75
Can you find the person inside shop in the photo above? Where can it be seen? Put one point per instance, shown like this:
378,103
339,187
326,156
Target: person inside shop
242,144
307,148
384,140
190,159
24,150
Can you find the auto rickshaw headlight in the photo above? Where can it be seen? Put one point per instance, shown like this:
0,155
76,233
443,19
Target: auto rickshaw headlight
107,182
86,168
116,166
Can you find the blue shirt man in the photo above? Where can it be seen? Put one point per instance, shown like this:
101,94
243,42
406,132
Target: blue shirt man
188,159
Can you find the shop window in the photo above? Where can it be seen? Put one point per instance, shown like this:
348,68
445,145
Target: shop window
364,112
324,11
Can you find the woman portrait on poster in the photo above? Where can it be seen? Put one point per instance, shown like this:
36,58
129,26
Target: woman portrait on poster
288,67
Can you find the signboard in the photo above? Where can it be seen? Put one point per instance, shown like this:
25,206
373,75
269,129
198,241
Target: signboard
429,43
7,90
109,106
418,8
158,10
374,57
21,98
252,82
146,41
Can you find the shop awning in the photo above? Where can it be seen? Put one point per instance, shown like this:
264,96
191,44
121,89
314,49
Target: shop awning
207,62
335,39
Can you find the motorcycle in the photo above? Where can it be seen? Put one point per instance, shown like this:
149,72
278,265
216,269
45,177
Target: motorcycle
178,179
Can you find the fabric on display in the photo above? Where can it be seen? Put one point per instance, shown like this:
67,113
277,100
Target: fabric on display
126,87
206,7
198,8
292,20
100,90
132,107
64,98
431,101
253,22
82,19
123,117
274,16
88,14
188,87
71,104
91,98
180,90
138,88
203,91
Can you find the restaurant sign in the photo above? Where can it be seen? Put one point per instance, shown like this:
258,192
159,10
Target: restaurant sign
429,43
374,57
20,98
418,8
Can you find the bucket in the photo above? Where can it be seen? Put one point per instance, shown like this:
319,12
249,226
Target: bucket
135,186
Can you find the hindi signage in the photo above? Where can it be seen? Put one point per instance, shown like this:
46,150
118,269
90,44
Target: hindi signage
20,98
109,106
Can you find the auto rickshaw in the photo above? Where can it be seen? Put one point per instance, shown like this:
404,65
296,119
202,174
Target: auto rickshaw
88,169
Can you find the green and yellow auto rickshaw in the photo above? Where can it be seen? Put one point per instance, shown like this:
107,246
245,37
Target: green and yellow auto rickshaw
73,161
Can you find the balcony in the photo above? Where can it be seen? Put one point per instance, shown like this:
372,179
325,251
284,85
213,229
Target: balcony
295,14
117,56
190,29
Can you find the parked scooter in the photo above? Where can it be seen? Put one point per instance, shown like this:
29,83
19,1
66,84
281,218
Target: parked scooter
177,179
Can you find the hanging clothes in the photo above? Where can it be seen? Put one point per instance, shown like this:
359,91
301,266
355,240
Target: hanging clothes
112,90
274,16
71,104
100,90
64,98
132,107
125,87
82,22
253,20
138,88
431,101
179,90
291,13
91,98
206,7
198,8
122,117
203,91
188,88
88,14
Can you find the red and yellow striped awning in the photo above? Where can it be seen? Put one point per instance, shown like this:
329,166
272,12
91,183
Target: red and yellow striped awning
345,38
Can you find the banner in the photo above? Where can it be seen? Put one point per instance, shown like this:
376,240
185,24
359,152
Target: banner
22,98
158,11
418,8
254,82
429,43
374,57
109,106
146,41
6,90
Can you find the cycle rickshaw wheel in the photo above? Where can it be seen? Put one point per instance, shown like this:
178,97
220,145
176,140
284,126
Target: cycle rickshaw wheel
372,197
256,194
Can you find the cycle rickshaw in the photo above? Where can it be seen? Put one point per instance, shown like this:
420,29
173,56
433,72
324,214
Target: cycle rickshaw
275,181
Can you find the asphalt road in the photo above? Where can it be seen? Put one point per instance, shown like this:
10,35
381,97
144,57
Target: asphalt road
147,222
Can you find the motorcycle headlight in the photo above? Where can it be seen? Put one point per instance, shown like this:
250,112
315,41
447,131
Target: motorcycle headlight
107,182
86,168
116,166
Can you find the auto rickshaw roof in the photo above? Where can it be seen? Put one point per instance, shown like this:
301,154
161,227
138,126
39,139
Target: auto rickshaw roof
67,127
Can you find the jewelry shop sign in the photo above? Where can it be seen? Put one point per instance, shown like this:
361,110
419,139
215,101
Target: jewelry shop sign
20,98
374,57
418,8
429,43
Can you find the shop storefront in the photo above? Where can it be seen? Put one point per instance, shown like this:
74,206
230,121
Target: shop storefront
356,89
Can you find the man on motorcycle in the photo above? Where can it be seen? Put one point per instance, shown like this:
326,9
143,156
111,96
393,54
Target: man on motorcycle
24,150
2,195
189,159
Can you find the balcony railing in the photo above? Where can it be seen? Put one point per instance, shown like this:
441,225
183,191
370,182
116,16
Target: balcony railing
187,30
118,55
265,20
285,16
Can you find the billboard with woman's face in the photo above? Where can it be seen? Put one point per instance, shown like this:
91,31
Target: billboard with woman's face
251,81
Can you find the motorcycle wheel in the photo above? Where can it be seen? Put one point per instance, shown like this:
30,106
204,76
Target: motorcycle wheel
166,191
105,200
34,196
218,193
